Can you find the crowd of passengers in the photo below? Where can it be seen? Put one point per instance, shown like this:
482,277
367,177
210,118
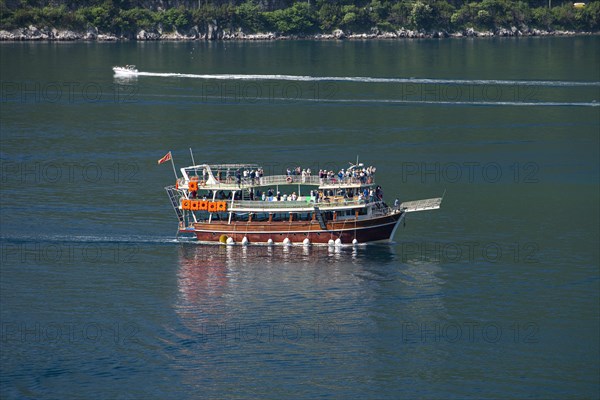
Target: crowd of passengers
364,175
367,194
254,176
360,174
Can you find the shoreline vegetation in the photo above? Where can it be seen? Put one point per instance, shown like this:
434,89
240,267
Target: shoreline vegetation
143,20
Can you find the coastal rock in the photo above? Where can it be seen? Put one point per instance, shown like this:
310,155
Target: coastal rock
339,34
107,38
33,33
66,35
261,36
176,35
144,35
6,35
91,34
193,33
213,30
388,35
503,32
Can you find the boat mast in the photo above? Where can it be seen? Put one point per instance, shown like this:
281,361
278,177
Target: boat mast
192,154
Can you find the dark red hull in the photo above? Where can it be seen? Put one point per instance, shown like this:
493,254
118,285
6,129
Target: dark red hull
370,230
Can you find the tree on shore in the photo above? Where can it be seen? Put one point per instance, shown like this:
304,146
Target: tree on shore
125,17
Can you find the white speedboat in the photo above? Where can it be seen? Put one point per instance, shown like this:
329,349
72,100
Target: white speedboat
126,70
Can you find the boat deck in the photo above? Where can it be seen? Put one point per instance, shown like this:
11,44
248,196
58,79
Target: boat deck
232,183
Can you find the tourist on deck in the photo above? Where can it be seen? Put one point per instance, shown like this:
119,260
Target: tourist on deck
294,196
379,193
260,174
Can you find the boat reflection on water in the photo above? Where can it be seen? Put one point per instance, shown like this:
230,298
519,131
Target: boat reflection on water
205,255
215,282
253,303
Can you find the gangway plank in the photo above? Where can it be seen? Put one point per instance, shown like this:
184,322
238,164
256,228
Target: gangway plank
422,205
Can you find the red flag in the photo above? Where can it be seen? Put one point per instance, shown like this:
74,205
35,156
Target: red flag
166,158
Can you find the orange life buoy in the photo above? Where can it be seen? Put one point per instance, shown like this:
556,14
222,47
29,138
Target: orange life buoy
221,206
212,206
193,186
203,205
186,204
194,205
289,179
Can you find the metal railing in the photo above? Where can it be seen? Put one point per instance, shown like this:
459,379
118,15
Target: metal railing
313,180
232,182
270,205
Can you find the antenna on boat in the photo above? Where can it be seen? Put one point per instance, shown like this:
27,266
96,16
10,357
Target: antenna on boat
173,164
192,154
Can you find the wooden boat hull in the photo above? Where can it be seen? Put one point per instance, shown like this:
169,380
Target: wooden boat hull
364,231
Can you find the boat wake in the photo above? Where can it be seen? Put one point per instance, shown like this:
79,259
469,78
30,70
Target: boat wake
124,239
362,79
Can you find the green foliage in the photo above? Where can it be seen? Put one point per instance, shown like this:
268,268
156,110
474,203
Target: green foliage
329,17
294,20
137,18
399,14
174,18
422,16
355,18
249,17
301,16
591,16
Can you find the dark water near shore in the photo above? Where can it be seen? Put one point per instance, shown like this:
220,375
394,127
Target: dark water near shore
496,295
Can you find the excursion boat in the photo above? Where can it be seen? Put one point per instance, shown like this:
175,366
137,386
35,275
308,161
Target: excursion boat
238,204
126,70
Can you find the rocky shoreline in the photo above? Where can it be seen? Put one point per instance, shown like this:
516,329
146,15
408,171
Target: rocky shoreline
33,33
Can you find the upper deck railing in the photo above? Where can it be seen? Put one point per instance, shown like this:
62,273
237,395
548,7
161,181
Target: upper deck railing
232,182
307,203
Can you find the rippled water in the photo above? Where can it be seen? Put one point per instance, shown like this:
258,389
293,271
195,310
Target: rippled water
494,296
